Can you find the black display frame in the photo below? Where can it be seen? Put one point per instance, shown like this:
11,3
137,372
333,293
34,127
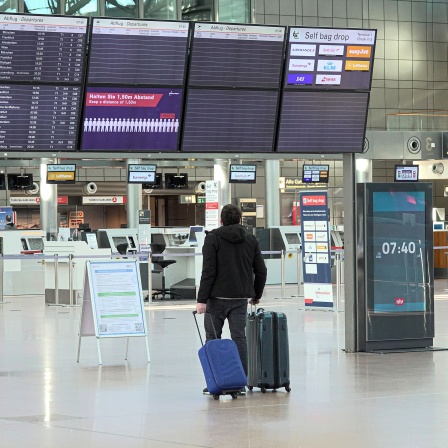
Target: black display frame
183,87
81,84
146,171
250,181
397,167
189,87
399,330
317,181
62,182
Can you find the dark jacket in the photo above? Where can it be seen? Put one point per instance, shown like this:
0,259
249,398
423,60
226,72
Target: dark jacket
10,226
233,266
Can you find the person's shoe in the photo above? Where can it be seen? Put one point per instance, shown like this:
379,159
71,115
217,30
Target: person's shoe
206,392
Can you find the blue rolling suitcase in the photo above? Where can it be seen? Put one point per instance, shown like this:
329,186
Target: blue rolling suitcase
221,363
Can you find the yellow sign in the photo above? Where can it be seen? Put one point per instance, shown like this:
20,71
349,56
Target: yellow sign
60,176
352,66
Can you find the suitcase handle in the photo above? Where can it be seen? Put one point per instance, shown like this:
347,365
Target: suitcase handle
197,326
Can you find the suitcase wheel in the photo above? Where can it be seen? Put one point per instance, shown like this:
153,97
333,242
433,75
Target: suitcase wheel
288,389
250,388
263,389
216,396
234,396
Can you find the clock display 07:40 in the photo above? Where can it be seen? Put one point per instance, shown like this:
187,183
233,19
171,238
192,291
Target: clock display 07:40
393,247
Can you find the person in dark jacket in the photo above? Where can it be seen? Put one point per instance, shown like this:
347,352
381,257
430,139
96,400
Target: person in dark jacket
9,224
233,273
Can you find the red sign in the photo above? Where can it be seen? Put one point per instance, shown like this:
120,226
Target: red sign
314,200
62,200
169,116
123,99
399,301
211,206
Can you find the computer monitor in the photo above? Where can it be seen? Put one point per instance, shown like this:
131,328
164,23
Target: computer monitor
192,239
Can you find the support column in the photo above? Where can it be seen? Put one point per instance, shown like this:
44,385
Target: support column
48,203
272,175
221,174
350,258
133,199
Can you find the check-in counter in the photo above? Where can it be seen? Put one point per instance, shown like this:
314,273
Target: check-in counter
440,255
22,276
81,253
183,277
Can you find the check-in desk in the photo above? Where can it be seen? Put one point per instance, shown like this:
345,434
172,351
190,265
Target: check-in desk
81,253
23,276
183,277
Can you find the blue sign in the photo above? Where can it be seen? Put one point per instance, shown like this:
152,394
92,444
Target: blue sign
316,253
300,79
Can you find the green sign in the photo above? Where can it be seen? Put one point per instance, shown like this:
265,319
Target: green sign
201,199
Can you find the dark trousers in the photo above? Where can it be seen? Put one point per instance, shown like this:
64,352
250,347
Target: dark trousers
234,311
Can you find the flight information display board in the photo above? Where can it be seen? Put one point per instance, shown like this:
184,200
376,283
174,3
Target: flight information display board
42,48
139,52
229,55
131,118
329,58
322,122
39,117
229,120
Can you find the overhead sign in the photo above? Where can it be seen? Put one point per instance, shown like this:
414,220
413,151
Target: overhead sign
142,174
34,200
61,174
296,183
330,58
86,200
243,173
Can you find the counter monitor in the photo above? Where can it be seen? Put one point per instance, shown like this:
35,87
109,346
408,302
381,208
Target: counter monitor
406,173
243,174
315,174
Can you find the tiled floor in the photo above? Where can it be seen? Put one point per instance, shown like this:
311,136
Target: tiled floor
49,400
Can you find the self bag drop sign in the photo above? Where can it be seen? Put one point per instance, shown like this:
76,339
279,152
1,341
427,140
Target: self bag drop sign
316,249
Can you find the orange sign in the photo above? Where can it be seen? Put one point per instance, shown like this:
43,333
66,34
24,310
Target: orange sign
358,51
353,66
61,176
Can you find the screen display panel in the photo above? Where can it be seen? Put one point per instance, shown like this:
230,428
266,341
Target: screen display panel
322,122
232,55
315,173
39,117
141,174
131,118
243,174
42,48
229,120
61,174
406,173
329,58
138,52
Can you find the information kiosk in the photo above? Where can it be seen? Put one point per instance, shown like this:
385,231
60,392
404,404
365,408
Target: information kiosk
395,266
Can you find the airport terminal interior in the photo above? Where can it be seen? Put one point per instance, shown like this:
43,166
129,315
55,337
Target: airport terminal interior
123,132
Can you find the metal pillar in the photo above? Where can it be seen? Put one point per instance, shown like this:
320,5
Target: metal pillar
272,173
363,170
133,200
350,271
221,174
48,202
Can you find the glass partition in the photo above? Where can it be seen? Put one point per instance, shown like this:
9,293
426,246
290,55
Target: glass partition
159,9
8,5
198,10
234,11
81,8
121,8
42,6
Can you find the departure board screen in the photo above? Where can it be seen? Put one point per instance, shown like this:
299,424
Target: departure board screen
229,55
329,58
229,120
38,117
42,48
131,118
139,52
322,122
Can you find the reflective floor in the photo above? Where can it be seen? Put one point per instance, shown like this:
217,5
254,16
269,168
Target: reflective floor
49,400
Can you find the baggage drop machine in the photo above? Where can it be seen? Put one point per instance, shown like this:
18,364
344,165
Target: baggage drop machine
287,239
